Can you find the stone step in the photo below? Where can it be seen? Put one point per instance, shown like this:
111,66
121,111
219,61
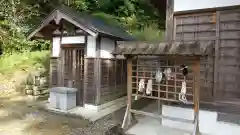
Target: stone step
230,118
228,107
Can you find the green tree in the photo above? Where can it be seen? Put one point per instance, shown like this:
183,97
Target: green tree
17,17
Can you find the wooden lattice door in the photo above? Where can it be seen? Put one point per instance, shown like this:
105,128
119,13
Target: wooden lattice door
73,69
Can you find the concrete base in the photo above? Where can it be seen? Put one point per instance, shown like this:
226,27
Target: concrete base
91,115
62,98
106,105
209,125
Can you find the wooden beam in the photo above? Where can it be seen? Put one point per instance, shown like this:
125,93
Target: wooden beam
50,74
169,21
196,70
97,71
60,64
85,72
162,99
129,87
216,55
45,22
127,120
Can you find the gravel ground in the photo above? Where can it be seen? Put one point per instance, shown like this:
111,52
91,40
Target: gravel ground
20,116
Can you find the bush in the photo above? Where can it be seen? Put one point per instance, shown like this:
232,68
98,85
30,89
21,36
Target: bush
149,33
9,63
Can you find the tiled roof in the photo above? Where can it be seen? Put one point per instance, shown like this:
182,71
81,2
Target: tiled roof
93,23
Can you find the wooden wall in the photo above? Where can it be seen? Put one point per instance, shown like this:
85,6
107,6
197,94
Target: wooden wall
53,71
219,71
90,81
228,39
199,27
104,78
113,79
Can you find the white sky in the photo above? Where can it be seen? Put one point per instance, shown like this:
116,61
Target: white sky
180,5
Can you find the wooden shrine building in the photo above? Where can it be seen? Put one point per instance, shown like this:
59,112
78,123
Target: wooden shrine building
81,55
145,60
205,21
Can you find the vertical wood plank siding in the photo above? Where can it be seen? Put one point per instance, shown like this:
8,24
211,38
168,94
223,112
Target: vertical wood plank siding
229,55
53,71
113,79
201,27
90,82
220,72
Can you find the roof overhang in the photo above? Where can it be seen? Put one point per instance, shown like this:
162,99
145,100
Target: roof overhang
57,16
190,48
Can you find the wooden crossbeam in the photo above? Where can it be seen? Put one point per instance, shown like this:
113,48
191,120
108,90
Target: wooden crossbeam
164,99
170,88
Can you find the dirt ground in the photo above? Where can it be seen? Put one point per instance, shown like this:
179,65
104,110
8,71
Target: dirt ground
19,115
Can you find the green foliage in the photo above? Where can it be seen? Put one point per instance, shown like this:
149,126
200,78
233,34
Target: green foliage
25,61
148,34
138,17
129,13
15,14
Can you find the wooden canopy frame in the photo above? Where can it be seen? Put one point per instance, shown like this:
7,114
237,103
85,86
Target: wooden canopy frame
173,51
129,111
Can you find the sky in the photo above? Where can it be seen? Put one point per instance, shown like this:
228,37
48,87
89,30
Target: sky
180,5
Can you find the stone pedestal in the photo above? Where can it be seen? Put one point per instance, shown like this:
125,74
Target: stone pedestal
62,98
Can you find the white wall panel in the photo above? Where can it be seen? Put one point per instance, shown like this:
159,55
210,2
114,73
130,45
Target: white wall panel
107,47
91,46
182,5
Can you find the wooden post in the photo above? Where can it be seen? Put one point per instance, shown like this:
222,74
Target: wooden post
159,103
216,55
50,84
74,66
97,66
85,71
127,117
196,70
169,21
60,64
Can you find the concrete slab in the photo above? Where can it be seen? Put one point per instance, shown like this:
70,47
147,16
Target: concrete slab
209,125
152,126
85,113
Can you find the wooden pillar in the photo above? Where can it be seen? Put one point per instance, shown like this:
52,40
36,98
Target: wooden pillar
85,71
53,77
196,98
97,70
216,55
169,21
60,61
127,116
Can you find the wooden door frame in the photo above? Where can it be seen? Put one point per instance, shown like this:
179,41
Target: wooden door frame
74,47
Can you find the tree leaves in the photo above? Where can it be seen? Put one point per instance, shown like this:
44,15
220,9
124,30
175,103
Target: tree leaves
17,16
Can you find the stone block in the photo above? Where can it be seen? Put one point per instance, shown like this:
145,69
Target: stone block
62,98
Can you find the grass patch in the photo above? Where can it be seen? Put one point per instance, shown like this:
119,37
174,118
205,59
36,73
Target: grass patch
27,61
